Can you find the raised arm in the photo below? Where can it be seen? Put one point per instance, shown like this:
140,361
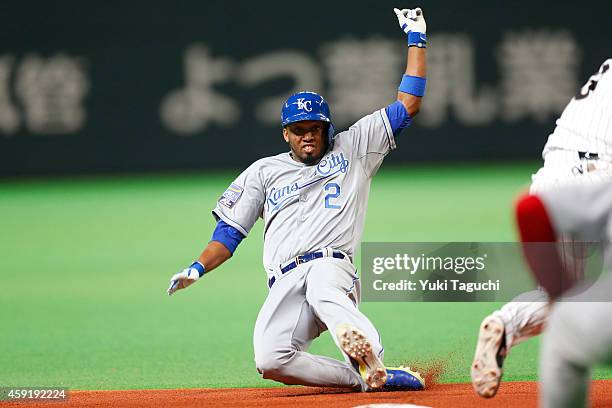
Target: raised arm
412,87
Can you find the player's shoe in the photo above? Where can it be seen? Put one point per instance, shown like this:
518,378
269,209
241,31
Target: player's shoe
355,344
489,357
403,379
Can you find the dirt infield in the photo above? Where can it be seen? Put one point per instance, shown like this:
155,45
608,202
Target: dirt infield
511,394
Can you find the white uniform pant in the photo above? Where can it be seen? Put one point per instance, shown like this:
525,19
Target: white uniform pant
579,335
313,297
526,315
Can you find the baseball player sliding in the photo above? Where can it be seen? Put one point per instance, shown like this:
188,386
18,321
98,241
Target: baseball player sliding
578,152
313,201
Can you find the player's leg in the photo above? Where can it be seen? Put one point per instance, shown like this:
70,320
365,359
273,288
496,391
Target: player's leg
523,319
566,167
578,336
517,320
332,289
526,315
563,383
284,330
333,292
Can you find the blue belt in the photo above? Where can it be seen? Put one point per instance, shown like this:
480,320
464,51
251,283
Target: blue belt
300,259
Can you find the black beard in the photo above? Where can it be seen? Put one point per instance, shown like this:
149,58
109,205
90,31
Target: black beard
310,160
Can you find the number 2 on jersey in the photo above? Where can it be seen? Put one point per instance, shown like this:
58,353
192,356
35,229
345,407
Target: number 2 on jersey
336,192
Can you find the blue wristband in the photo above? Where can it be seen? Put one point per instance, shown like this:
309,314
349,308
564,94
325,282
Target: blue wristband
416,39
198,267
413,85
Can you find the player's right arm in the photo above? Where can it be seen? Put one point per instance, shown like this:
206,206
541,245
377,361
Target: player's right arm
236,212
221,247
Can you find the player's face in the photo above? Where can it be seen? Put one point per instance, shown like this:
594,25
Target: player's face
307,139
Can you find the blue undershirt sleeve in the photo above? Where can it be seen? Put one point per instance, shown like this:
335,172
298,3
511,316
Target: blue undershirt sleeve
229,236
398,117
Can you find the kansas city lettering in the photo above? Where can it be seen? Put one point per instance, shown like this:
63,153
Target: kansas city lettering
333,164
276,195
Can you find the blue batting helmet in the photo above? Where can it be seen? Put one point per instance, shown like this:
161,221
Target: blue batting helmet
307,106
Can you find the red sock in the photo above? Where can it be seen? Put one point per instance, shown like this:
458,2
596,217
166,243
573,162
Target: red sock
538,236
533,221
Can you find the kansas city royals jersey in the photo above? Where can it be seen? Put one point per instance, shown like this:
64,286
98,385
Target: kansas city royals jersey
305,208
586,122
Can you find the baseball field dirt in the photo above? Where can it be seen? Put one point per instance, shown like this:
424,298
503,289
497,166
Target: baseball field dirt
512,394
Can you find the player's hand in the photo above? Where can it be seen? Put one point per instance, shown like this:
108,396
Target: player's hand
411,20
183,279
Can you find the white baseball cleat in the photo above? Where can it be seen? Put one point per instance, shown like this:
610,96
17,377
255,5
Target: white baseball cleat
490,353
355,344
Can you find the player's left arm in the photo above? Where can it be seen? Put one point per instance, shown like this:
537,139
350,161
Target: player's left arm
373,136
412,86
